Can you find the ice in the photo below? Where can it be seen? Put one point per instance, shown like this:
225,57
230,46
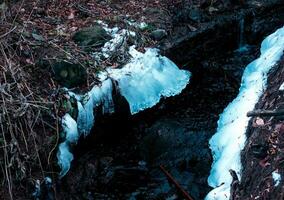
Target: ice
230,137
64,155
99,95
143,82
147,78
69,126
276,178
281,88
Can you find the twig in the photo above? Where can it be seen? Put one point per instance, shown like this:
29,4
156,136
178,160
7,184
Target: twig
57,136
265,113
8,32
177,185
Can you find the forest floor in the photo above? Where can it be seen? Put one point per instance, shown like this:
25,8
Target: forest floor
37,33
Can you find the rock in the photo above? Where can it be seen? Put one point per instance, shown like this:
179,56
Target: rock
158,34
91,37
195,15
259,150
69,74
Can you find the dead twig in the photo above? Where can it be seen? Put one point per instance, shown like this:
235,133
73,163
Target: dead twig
176,184
265,113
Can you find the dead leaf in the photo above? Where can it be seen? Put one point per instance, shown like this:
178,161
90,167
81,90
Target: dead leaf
38,37
71,15
258,122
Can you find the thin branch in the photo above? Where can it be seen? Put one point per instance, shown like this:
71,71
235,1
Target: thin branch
176,184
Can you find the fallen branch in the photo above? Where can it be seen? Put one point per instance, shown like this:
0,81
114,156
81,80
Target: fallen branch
177,185
265,113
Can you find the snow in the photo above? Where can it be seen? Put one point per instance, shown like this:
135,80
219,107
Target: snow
69,126
227,143
140,25
146,79
281,88
276,178
118,39
64,155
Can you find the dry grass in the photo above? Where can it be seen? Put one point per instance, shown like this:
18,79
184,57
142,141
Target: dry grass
27,126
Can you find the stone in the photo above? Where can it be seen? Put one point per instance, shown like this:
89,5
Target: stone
195,15
69,75
93,36
158,34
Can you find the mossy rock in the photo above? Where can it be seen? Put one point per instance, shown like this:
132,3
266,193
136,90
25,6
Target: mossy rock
94,36
69,75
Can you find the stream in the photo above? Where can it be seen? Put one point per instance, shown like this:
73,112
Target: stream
122,156
121,160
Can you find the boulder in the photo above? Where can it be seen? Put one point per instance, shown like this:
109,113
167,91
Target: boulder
93,36
158,34
69,75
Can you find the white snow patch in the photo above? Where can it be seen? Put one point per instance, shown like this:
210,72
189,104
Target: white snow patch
140,25
276,178
143,82
118,39
281,88
64,155
230,137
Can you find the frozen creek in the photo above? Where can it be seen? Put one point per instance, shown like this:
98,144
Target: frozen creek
123,160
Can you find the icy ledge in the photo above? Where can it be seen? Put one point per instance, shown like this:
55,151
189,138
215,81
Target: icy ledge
143,82
230,137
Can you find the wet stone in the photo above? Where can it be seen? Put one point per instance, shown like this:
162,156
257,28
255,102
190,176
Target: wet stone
69,75
158,34
94,36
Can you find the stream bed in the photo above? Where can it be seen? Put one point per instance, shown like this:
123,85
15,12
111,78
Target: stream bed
122,156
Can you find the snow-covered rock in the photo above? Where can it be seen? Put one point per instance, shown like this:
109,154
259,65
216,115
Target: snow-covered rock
230,137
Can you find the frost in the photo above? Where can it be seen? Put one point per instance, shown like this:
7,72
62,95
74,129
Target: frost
276,178
230,137
143,82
